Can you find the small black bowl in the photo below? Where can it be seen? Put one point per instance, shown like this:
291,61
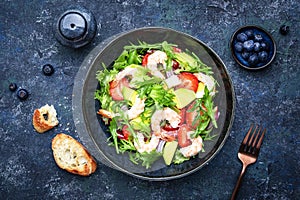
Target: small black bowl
252,47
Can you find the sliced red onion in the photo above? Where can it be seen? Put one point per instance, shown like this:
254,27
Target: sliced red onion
160,146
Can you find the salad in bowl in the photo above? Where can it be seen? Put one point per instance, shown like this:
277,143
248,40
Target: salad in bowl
157,101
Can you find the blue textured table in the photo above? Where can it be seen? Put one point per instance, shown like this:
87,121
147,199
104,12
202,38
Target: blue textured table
270,97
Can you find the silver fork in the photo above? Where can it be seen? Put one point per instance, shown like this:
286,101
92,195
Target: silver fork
248,152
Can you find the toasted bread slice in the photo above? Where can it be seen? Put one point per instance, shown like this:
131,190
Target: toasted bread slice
44,118
72,156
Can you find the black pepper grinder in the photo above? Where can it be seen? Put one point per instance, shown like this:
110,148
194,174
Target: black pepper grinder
76,27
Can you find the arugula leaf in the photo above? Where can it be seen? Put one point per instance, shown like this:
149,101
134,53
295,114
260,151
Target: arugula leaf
146,46
126,145
113,130
190,62
133,57
121,62
179,158
147,159
162,97
206,114
104,77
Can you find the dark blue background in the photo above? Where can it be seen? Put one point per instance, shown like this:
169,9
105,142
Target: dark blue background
270,97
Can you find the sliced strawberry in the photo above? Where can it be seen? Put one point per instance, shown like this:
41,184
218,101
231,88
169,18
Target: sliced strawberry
191,115
168,127
182,114
145,59
188,81
120,134
126,132
183,140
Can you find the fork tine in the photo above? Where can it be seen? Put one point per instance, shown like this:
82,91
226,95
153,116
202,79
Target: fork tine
247,135
256,134
261,139
251,142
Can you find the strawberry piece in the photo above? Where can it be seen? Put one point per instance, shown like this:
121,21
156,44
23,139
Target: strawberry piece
188,81
145,59
191,115
183,140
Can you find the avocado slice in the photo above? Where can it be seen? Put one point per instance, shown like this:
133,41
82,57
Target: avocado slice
129,94
169,151
183,97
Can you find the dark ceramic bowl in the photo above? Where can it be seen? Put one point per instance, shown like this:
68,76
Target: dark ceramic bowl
93,133
255,57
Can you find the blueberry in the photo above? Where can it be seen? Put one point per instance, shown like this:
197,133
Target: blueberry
257,46
284,29
249,33
238,47
245,55
253,59
12,87
48,70
258,38
22,94
263,56
242,37
248,45
264,46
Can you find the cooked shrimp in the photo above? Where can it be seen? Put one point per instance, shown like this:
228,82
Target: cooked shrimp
128,71
158,57
137,108
106,113
141,146
165,114
168,136
207,80
194,148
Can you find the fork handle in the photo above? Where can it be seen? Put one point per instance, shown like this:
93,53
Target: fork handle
233,196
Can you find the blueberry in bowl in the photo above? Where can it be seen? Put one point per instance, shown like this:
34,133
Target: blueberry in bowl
252,47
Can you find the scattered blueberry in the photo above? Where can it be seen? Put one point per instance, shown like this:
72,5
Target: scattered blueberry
258,38
253,59
284,29
22,94
12,87
263,56
242,37
238,47
48,69
256,46
249,33
248,45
